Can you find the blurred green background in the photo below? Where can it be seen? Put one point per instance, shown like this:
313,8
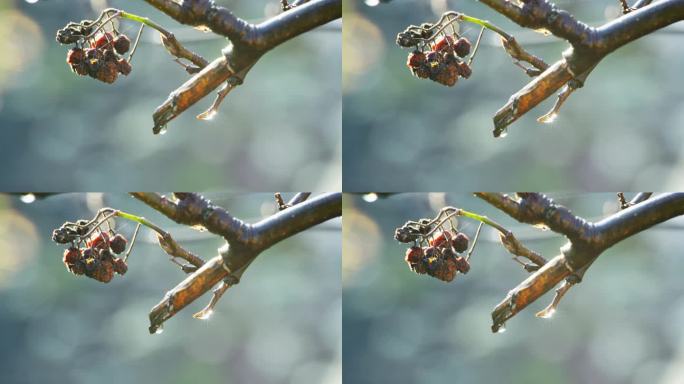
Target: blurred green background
622,324
280,130
281,324
401,133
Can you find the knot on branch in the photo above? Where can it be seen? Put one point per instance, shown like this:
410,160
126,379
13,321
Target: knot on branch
192,206
540,14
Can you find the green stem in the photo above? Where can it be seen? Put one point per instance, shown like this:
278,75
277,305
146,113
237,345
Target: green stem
484,220
141,220
144,20
485,24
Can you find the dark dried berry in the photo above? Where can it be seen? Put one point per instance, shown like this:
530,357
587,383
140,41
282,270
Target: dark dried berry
447,75
442,269
122,44
71,256
422,72
464,70
104,273
75,56
92,53
120,266
104,40
462,264
78,268
107,72
445,43
462,47
118,244
124,67
460,242
434,59
109,55
414,255
98,240
415,59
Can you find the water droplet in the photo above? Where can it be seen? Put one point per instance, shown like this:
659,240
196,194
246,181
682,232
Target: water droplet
501,329
199,227
548,119
372,3
503,133
547,313
28,198
207,115
203,314
370,197
159,330
162,130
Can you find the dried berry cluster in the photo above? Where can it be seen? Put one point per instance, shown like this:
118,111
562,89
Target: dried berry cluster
440,259
96,260
443,63
102,59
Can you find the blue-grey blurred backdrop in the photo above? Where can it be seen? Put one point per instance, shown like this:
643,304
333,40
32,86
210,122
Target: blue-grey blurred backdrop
281,324
622,324
281,130
623,130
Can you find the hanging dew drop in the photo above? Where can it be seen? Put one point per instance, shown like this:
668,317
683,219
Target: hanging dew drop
159,330
203,315
548,119
501,329
503,133
28,198
547,313
162,130
372,3
370,197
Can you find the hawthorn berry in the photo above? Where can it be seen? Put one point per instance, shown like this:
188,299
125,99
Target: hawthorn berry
107,72
447,75
415,59
464,70
118,244
122,44
462,47
77,268
98,240
414,255
104,40
75,56
120,266
441,239
460,242
462,264
124,67
104,273
72,255
445,43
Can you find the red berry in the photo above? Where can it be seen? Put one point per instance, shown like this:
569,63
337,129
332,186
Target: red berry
441,239
107,72
415,59
460,242
122,44
444,43
104,40
75,56
71,256
103,273
464,70
124,67
462,264
118,244
414,255
462,47
120,266
98,240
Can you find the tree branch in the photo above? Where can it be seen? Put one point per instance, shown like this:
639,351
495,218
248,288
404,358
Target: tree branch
248,43
584,247
589,46
244,241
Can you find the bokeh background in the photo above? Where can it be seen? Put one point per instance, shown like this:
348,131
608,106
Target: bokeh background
281,130
622,324
620,132
281,324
